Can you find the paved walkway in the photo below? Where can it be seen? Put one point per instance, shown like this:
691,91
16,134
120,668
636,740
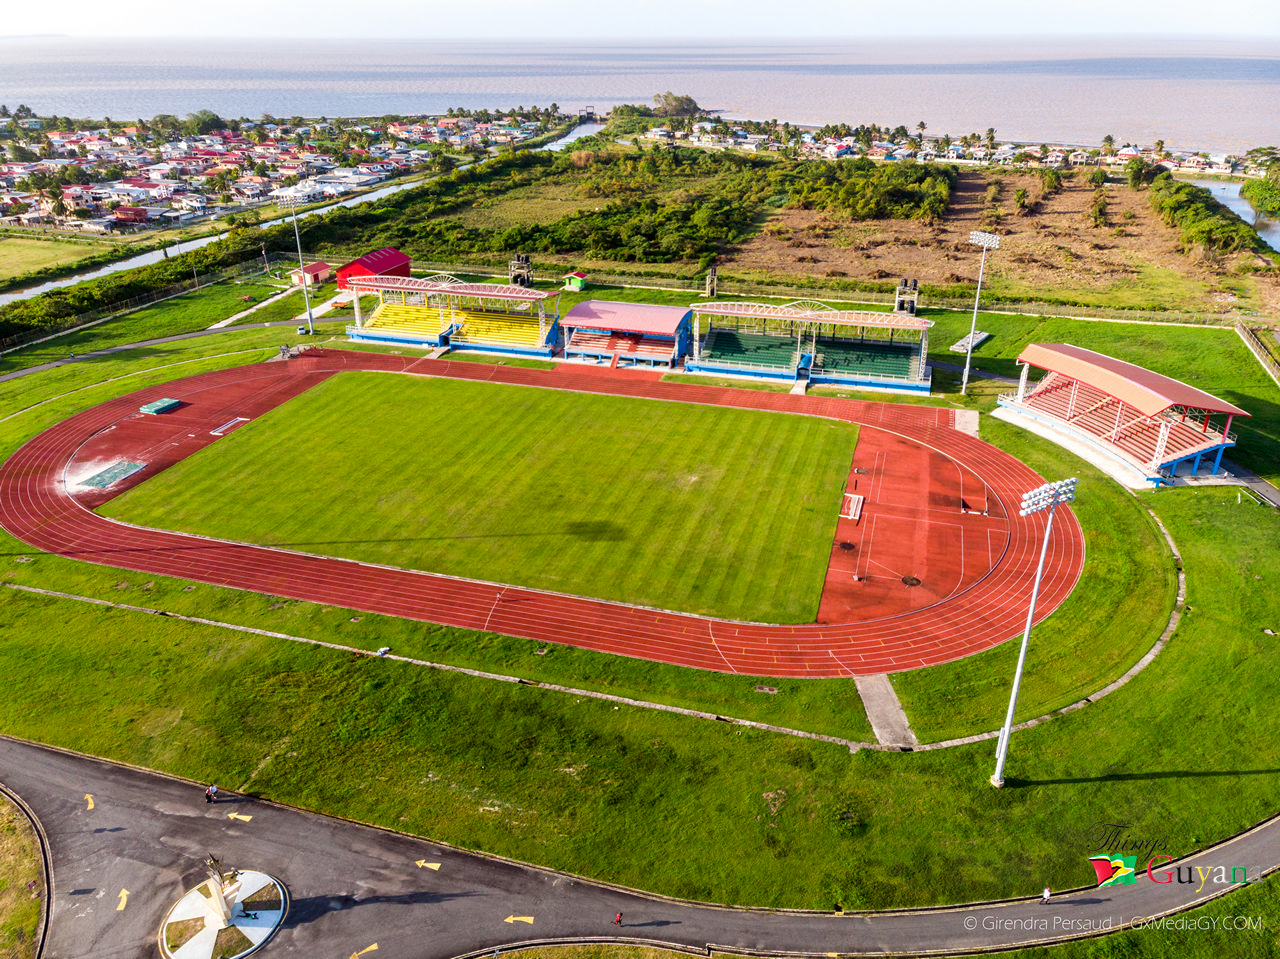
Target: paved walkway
124,844
1247,477
125,347
235,318
974,372
888,721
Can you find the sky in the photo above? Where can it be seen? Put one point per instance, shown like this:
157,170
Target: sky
563,20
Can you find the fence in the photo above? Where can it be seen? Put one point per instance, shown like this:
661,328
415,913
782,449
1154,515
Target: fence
84,320
731,286
1259,350
727,286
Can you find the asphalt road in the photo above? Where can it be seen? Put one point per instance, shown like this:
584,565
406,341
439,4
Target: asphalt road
125,844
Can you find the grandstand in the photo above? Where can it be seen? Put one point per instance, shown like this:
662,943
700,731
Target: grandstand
812,343
1139,426
627,334
444,311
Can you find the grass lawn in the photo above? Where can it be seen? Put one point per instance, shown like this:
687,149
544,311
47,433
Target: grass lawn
1189,750
630,500
828,707
21,254
1115,614
1210,358
19,864
187,313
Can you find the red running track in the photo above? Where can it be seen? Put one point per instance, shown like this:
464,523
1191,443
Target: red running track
980,609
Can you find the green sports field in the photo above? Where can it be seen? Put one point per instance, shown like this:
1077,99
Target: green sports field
702,509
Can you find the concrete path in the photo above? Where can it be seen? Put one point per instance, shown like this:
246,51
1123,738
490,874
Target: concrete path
125,347
888,721
1247,477
124,844
230,320
333,303
974,372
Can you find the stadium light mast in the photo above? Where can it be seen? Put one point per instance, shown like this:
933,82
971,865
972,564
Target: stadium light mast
1041,498
988,241
292,202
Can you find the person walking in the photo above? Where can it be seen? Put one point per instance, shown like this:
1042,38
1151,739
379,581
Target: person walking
617,920
211,794
1044,899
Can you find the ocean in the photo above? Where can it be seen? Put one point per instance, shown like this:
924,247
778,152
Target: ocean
1204,95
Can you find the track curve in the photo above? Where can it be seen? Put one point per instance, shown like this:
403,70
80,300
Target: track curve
37,506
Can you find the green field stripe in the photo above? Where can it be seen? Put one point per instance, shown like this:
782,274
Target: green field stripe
639,501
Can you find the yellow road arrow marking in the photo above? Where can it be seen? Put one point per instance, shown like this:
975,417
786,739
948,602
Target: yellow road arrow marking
373,948
88,797
124,899
423,864
236,815
528,919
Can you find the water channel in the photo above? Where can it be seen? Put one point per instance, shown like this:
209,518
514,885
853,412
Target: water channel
1228,194
155,256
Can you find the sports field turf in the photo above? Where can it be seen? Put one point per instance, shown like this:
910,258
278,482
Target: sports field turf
702,509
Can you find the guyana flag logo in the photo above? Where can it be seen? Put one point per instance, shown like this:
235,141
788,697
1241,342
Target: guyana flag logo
1114,870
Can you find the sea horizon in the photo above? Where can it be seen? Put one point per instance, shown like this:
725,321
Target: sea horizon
1212,95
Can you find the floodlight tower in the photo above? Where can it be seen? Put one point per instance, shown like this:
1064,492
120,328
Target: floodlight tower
988,241
292,202
1041,498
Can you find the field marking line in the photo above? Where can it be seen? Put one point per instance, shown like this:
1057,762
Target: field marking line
851,745
505,375
711,635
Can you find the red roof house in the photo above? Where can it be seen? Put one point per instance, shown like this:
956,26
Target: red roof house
385,262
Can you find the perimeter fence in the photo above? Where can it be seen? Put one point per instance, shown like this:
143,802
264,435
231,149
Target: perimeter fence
90,318
727,285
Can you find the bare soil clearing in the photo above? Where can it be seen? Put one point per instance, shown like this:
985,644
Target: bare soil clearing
1053,251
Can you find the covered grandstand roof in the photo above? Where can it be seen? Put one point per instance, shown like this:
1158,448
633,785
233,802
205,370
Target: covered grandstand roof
379,260
1147,392
645,318
815,313
412,284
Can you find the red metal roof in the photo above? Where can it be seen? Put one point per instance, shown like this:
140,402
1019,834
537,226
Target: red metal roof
1147,392
626,317
379,260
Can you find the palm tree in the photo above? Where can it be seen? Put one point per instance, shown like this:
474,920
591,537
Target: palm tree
991,138
1109,145
1159,148
920,128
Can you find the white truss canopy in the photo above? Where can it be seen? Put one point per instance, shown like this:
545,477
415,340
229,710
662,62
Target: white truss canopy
480,291
807,312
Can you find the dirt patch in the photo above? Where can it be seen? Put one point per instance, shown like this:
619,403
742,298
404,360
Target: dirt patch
1055,249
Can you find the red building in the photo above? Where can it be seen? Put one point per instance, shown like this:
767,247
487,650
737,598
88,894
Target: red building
385,262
